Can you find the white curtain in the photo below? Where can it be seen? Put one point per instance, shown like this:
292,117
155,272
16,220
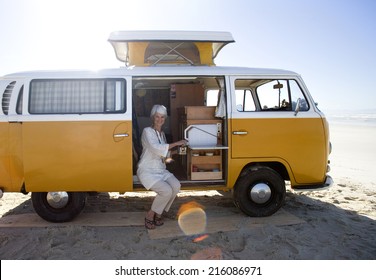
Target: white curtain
76,96
220,111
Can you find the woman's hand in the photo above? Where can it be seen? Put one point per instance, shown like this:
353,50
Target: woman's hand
182,143
178,143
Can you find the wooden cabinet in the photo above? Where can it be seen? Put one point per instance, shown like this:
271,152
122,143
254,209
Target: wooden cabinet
202,162
189,95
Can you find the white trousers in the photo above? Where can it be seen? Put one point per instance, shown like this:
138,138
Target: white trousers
166,193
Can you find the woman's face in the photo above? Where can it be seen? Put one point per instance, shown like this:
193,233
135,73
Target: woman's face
159,119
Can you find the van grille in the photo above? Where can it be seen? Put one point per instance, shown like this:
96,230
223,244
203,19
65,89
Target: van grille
5,102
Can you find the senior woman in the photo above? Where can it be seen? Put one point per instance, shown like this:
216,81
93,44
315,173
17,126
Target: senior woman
152,170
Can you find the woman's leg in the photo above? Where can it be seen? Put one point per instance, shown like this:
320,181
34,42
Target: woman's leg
149,220
175,187
164,192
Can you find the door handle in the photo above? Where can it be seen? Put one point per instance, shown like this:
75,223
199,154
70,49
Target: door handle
240,132
119,135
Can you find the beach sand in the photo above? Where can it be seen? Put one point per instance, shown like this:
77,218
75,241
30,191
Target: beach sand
336,223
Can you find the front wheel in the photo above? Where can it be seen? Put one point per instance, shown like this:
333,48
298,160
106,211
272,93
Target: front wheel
58,207
260,192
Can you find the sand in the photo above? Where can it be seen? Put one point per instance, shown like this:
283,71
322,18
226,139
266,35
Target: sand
333,224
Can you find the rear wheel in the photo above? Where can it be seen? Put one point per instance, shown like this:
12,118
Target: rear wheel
58,207
260,192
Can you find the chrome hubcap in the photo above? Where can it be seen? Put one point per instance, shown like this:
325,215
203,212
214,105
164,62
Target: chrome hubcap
57,199
260,193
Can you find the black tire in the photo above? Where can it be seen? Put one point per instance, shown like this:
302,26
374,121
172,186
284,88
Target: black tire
261,178
58,212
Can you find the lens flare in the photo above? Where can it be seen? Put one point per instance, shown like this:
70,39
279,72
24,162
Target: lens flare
192,218
200,238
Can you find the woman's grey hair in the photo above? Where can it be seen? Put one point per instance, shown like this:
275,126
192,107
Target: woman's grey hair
158,109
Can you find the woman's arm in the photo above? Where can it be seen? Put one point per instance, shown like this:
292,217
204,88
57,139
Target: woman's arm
177,144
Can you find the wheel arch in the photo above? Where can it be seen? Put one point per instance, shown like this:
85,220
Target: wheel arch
277,166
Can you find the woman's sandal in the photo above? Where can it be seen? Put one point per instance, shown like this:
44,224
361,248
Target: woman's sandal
158,221
149,224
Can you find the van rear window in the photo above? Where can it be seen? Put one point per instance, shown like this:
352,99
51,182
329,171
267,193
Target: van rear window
84,96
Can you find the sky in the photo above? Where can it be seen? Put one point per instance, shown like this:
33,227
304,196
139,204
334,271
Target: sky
330,43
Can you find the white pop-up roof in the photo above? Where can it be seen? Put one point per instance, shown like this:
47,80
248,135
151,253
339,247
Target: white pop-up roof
144,48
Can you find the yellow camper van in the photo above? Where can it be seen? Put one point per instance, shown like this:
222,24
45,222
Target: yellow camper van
64,134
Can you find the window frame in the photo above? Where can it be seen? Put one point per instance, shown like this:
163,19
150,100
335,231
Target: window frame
20,101
256,98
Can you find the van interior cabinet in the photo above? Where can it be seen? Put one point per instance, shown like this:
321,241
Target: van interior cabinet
205,164
181,95
204,156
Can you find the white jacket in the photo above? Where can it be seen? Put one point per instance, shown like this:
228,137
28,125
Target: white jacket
151,167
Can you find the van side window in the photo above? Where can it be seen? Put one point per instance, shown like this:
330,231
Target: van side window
269,95
244,100
281,95
86,96
297,96
243,96
212,97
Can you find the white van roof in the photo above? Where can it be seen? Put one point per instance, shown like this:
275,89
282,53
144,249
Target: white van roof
168,71
144,48
196,36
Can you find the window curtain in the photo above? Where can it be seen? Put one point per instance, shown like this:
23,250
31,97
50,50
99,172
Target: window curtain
67,97
220,110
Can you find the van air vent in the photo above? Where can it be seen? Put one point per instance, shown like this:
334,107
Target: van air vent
6,97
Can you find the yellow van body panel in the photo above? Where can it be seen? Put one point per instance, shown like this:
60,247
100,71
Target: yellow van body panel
16,157
5,182
77,156
297,143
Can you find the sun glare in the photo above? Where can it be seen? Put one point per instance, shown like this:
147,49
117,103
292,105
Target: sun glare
73,34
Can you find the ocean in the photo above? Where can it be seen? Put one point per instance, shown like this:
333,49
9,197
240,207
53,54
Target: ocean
352,117
353,138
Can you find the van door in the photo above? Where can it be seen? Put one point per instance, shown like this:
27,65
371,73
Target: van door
266,128
78,135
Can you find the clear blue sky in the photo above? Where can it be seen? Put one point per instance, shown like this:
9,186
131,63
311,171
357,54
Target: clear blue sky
331,43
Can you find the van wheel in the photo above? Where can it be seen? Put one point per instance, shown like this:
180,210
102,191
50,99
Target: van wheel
58,207
260,193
